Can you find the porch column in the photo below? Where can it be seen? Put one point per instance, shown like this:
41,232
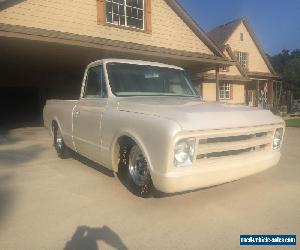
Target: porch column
217,84
272,93
257,93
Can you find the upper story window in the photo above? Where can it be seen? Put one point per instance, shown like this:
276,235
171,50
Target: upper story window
127,13
242,36
243,59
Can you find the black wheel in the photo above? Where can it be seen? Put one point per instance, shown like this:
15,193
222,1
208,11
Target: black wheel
59,145
134,171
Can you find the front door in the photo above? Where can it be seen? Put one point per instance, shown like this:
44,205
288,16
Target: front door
87,115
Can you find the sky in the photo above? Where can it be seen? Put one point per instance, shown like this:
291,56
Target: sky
276,23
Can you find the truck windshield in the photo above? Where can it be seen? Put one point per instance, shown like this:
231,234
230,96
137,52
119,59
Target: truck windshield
144,80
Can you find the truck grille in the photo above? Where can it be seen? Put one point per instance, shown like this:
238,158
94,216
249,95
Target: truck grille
231,142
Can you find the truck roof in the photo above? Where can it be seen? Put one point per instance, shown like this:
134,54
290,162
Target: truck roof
138,62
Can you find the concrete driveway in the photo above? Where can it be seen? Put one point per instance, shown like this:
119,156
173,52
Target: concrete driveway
48,203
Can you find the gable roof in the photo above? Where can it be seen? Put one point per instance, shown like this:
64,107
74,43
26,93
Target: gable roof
221,34
190,22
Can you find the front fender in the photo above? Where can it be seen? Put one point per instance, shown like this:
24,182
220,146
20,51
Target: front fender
153,134
137,139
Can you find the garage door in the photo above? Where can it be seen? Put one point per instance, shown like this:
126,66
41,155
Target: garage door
19,105
31,73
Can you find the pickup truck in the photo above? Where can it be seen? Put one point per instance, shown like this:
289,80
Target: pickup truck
145,121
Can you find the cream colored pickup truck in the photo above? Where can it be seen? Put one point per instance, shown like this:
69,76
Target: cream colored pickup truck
145,121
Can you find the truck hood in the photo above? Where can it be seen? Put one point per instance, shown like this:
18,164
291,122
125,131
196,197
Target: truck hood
194,114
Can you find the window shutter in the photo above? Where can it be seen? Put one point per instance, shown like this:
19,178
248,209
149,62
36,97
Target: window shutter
231,91
100,12
148,12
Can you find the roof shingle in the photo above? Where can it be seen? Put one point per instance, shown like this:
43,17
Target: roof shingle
221,34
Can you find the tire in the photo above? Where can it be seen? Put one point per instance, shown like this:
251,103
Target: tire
134,172
59,145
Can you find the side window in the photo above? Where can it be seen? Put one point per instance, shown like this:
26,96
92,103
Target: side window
95,83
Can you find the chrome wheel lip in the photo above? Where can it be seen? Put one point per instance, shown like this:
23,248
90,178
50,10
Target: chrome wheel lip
59,139
138,167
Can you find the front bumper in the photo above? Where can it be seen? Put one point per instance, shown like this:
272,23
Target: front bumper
221,171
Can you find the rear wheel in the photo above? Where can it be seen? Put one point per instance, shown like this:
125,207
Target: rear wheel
59,145
134,171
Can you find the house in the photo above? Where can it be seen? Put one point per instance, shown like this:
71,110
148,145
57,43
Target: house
252,79
45,45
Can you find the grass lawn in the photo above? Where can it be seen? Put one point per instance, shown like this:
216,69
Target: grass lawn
293,123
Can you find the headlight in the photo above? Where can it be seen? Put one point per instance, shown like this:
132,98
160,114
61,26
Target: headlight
277,138
184,152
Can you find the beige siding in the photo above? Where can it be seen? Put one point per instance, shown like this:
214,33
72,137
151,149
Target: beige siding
238,94
213,71
79,17
233,70
209,91
256,61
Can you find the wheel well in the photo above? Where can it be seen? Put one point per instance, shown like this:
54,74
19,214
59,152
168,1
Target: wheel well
54,125
121,148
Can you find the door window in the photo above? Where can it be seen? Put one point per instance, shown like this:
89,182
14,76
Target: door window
95,84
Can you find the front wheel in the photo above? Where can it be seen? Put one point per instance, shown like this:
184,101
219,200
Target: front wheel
134,171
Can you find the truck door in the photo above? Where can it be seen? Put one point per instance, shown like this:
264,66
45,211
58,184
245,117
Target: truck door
87,114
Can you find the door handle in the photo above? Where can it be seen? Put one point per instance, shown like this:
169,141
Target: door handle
76,113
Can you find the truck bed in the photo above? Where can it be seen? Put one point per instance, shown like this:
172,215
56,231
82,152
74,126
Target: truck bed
61,111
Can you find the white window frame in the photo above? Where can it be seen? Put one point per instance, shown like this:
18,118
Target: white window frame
243,59
225,91
125,14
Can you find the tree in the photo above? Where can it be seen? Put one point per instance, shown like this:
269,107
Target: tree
287,64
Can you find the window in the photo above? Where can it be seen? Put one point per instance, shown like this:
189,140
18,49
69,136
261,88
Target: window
243,59
225,90
95,84
127,13
242,37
